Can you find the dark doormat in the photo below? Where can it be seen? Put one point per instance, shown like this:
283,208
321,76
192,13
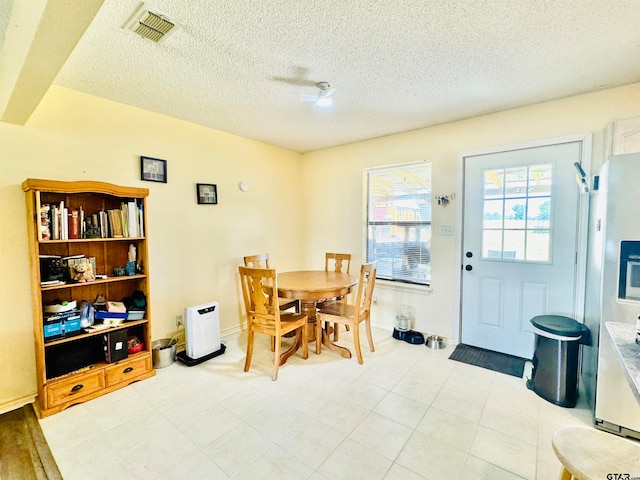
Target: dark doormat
498,362
24,452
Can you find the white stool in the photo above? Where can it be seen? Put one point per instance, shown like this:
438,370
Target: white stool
589,454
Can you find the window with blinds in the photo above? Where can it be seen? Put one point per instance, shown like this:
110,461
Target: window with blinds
399,221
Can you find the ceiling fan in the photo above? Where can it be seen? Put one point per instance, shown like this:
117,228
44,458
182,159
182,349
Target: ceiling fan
322,98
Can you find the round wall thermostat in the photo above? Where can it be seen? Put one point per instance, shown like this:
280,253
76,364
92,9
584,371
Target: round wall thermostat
244,186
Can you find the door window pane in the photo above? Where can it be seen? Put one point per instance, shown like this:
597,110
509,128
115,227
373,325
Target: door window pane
514,245
514,213
493,214
517,213
538,245
493,182
516,182
538,213
540,181
492,244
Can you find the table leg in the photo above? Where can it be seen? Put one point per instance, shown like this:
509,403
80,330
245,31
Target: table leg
309,308
326,341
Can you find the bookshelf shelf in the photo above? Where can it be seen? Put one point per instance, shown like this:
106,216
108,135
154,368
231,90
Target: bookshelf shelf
82,336
74,369
95,282
90,240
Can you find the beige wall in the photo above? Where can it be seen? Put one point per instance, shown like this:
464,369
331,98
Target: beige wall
335,202
195,249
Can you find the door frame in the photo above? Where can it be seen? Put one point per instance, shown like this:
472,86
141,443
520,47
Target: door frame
583,220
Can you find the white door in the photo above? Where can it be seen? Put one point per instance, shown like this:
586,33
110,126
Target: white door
519,244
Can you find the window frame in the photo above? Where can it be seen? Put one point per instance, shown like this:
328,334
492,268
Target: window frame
404,224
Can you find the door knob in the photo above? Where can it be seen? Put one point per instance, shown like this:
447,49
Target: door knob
468,254
468,268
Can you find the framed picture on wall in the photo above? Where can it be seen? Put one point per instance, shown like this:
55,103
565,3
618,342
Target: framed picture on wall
153,169
207,193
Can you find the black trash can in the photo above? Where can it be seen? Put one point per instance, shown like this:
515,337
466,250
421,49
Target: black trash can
555,359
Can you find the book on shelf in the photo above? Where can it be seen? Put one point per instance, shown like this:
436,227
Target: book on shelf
115,222
116,307
81,221
64,222
51,317
74,224
123,221
133,225
103,314
104,224
140,220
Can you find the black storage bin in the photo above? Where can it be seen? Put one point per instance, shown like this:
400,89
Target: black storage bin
555,359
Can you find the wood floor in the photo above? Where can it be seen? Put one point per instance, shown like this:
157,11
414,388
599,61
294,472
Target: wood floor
24,453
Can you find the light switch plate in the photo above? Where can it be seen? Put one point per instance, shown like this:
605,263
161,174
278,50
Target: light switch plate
445,230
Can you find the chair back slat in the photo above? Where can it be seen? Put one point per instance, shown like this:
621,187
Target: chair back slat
260,260
341,262
364,297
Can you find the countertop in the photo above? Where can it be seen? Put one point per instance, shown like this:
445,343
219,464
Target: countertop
623,336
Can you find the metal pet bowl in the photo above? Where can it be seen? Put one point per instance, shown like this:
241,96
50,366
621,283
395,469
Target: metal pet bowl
435,342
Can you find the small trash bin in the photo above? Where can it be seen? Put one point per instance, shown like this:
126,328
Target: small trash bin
555,359
163,352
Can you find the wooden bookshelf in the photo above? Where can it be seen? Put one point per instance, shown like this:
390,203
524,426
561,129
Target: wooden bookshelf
72,369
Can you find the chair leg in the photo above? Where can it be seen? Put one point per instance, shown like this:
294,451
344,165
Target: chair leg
273,343
305,340
369,337
318,336
356,341
247,362
276,362
336,332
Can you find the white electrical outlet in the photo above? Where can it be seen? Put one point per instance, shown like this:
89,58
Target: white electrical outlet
179,321
445,230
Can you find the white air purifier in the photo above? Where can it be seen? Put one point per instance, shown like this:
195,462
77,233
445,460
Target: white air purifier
202,330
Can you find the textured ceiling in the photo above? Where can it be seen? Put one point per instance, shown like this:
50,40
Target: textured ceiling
241,66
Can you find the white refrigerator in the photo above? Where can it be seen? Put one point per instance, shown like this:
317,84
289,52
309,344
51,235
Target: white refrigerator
612,292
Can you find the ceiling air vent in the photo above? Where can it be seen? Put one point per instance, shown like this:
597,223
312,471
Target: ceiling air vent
151,25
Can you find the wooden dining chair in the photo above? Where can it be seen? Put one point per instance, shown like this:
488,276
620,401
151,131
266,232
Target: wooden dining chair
262,261
336,262
352,314
259,289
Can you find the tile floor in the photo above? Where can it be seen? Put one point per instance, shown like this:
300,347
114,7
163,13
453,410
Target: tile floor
408,413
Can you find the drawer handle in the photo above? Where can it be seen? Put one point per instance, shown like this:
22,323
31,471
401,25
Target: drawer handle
76,388
128,369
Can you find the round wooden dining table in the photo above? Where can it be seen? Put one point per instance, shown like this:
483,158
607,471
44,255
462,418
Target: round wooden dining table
310,286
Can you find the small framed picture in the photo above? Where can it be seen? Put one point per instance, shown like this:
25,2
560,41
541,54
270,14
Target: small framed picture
153,169
207,193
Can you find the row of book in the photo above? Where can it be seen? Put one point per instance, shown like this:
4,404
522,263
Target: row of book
58,222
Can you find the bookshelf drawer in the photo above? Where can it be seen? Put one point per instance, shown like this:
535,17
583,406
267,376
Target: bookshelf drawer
126,369
75,387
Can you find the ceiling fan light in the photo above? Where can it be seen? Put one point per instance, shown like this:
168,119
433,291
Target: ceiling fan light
324,101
